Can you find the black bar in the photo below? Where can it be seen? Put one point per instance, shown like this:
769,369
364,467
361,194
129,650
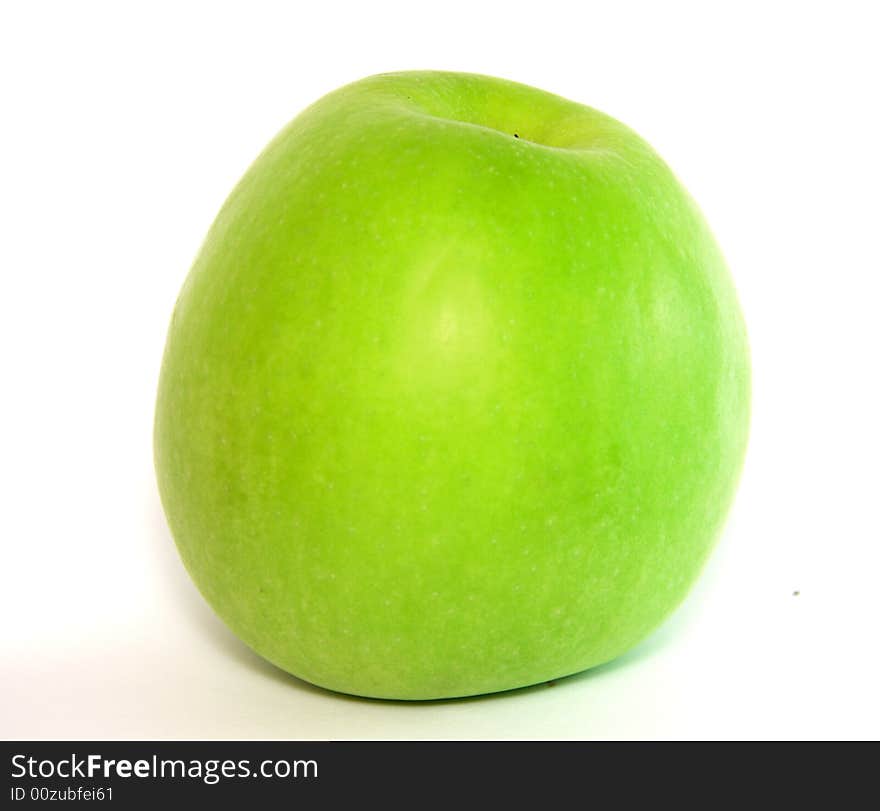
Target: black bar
319,774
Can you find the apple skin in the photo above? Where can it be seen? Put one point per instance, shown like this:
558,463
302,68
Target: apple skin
455,397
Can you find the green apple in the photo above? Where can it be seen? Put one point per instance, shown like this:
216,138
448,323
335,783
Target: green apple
455,397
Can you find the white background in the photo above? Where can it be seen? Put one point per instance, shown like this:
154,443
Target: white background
124,128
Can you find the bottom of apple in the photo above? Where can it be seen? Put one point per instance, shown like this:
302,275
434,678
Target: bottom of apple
482,687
